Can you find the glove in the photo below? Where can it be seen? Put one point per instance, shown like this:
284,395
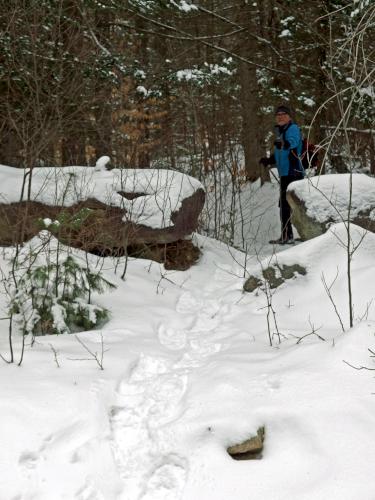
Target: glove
265,161
278,143
286,145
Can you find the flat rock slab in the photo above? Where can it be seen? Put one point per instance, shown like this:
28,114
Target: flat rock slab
249,449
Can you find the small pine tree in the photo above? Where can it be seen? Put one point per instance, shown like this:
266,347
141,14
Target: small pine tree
53,289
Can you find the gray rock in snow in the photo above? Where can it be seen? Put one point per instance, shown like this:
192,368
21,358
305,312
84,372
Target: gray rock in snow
249,449
274,275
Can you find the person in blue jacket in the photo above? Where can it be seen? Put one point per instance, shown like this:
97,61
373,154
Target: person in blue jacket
286,156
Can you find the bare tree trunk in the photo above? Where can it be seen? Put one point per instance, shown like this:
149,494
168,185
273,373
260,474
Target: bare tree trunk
372,154
249,97
251,141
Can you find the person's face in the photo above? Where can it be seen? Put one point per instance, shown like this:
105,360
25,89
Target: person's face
282,118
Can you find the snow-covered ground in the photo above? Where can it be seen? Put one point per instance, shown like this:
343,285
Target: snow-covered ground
188,371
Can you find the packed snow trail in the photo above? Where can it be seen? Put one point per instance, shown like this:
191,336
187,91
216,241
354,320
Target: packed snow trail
146,403
152,397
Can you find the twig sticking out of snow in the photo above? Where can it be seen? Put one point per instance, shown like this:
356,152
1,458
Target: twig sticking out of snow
94,356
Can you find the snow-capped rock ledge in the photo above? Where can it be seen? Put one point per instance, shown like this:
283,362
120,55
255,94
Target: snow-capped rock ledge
158,193
137,212
321,201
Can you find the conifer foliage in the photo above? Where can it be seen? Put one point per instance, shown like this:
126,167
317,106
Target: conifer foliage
51,289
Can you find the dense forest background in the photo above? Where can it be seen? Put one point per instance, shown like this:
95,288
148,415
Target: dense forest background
184,85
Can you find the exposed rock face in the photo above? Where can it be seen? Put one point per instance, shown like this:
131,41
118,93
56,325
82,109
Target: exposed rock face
110,228
249,449
103,226
307,227
318,202
275,276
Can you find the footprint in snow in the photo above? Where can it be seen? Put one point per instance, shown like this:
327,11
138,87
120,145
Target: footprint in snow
87,492
208,312
200,350
188,303
28,459
148,367
208,318
55,453
171,339
204,348
153,392
167,481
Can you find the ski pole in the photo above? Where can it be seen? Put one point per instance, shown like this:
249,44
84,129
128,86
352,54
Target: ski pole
274,176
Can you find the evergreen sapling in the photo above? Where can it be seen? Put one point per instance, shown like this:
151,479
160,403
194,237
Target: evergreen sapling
53,290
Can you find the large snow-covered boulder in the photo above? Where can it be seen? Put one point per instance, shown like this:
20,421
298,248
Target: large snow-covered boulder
100,210
321,201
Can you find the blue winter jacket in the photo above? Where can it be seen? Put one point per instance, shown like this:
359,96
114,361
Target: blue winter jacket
287,158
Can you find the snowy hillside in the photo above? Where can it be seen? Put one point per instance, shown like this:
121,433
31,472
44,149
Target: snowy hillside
188,371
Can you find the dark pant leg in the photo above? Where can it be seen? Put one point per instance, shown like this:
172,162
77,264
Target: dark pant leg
286,225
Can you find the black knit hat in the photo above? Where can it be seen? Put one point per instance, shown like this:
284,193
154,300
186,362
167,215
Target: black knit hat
283,109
